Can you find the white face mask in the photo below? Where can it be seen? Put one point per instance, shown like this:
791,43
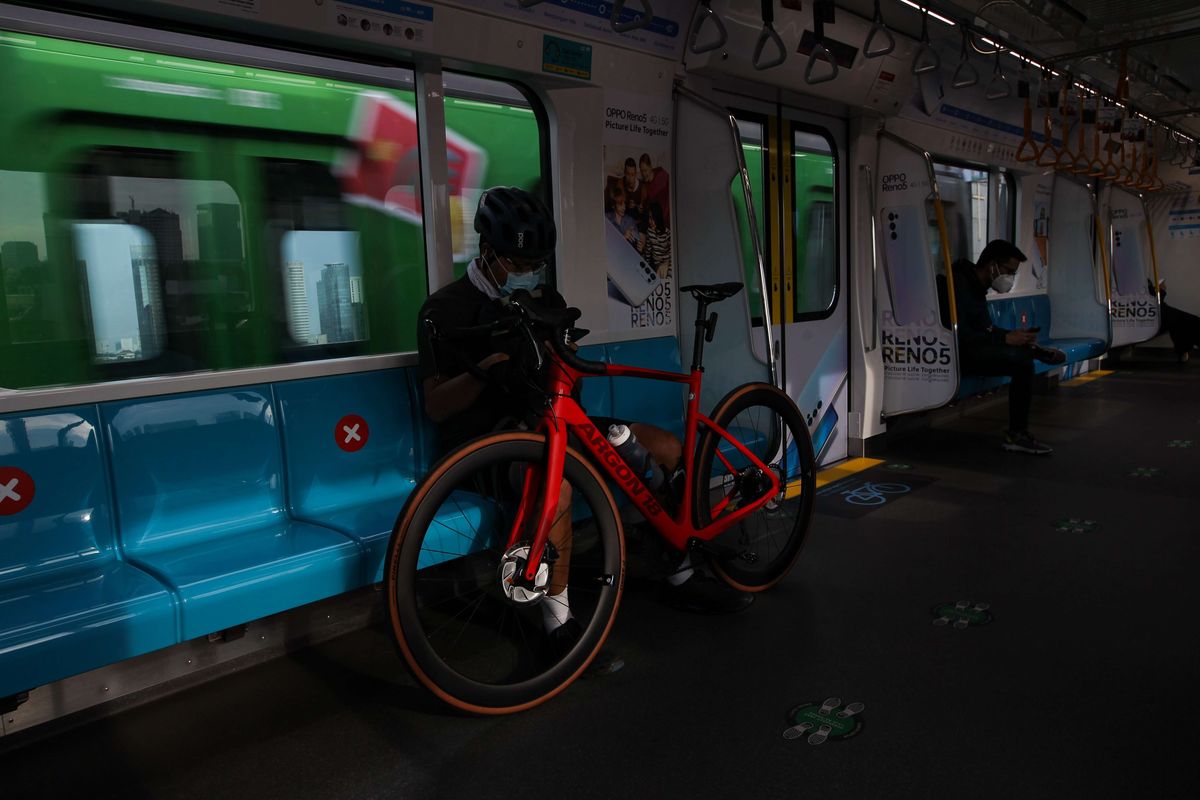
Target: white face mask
1002,281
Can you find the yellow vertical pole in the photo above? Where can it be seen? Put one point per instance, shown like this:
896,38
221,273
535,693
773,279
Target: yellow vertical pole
771,157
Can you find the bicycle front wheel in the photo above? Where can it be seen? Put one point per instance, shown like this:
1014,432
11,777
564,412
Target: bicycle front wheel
763,545
469,626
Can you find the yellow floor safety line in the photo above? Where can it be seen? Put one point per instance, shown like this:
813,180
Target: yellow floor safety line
1088,377
842,470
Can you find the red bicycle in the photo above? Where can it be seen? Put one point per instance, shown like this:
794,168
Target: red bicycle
491,532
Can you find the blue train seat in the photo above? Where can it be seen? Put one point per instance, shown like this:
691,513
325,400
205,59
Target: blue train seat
659,403
67,603
358,491
199,483
596,393
1027,311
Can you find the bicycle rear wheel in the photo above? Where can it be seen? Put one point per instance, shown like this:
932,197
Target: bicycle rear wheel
468,627
768,542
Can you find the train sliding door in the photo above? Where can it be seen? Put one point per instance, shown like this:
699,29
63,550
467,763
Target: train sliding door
797,170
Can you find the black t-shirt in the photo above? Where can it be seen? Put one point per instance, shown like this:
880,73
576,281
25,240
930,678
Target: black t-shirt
461,305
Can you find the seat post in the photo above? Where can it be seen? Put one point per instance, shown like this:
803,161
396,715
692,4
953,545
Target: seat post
701,332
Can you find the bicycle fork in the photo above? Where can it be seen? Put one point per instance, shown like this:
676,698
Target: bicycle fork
545,491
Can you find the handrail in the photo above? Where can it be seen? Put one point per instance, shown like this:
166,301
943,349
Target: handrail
874,253
640,21
1103,251
926,49
704,13
1096,166
748,197
768,34
960,81
876,28
1153,254
998,87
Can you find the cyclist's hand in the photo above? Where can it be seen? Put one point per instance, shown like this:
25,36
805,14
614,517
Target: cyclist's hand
494,358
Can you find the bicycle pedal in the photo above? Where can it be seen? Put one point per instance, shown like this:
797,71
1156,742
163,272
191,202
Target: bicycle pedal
721,551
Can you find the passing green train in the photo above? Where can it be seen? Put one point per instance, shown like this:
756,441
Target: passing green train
800,255
161,214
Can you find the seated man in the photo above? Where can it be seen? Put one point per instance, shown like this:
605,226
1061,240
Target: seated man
984,349
1183,328
516,238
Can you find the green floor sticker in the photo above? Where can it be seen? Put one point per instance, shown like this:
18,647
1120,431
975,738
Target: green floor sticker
824,721
898,466
1145,472
1076,525
1179,443
963,614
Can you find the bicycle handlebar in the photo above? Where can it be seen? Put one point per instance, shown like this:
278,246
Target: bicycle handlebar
524,315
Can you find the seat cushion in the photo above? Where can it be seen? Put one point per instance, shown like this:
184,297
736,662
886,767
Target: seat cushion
234,579
57,625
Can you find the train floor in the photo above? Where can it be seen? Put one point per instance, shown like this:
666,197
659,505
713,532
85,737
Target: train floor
1069,672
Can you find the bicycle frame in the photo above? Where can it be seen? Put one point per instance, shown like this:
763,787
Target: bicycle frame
565,414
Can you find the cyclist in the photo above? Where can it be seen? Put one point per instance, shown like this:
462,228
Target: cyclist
516,240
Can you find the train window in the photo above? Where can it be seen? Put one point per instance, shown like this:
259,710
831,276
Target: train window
964,193
494,137
1006,202
752,151
315,251
160,257
814,225
29,284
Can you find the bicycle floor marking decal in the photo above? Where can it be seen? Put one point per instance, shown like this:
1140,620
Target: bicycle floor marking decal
818,723
1076,525
961,614
861,494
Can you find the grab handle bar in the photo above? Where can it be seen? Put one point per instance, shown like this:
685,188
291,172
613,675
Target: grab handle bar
965,75
926,51
640,21
998,88
704,13
877,28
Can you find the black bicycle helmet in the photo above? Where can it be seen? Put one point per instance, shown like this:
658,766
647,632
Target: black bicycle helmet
515,223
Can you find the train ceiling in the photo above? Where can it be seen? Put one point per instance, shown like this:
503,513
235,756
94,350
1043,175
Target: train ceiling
1157,40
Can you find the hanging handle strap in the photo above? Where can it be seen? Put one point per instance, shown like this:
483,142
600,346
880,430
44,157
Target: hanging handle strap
704,13
640,21
1047,143
1096,166
1027,141
876,29
965,75
822,11
998,87
768,34
926,59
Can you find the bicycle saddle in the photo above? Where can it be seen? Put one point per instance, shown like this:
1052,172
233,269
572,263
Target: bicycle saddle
712,292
